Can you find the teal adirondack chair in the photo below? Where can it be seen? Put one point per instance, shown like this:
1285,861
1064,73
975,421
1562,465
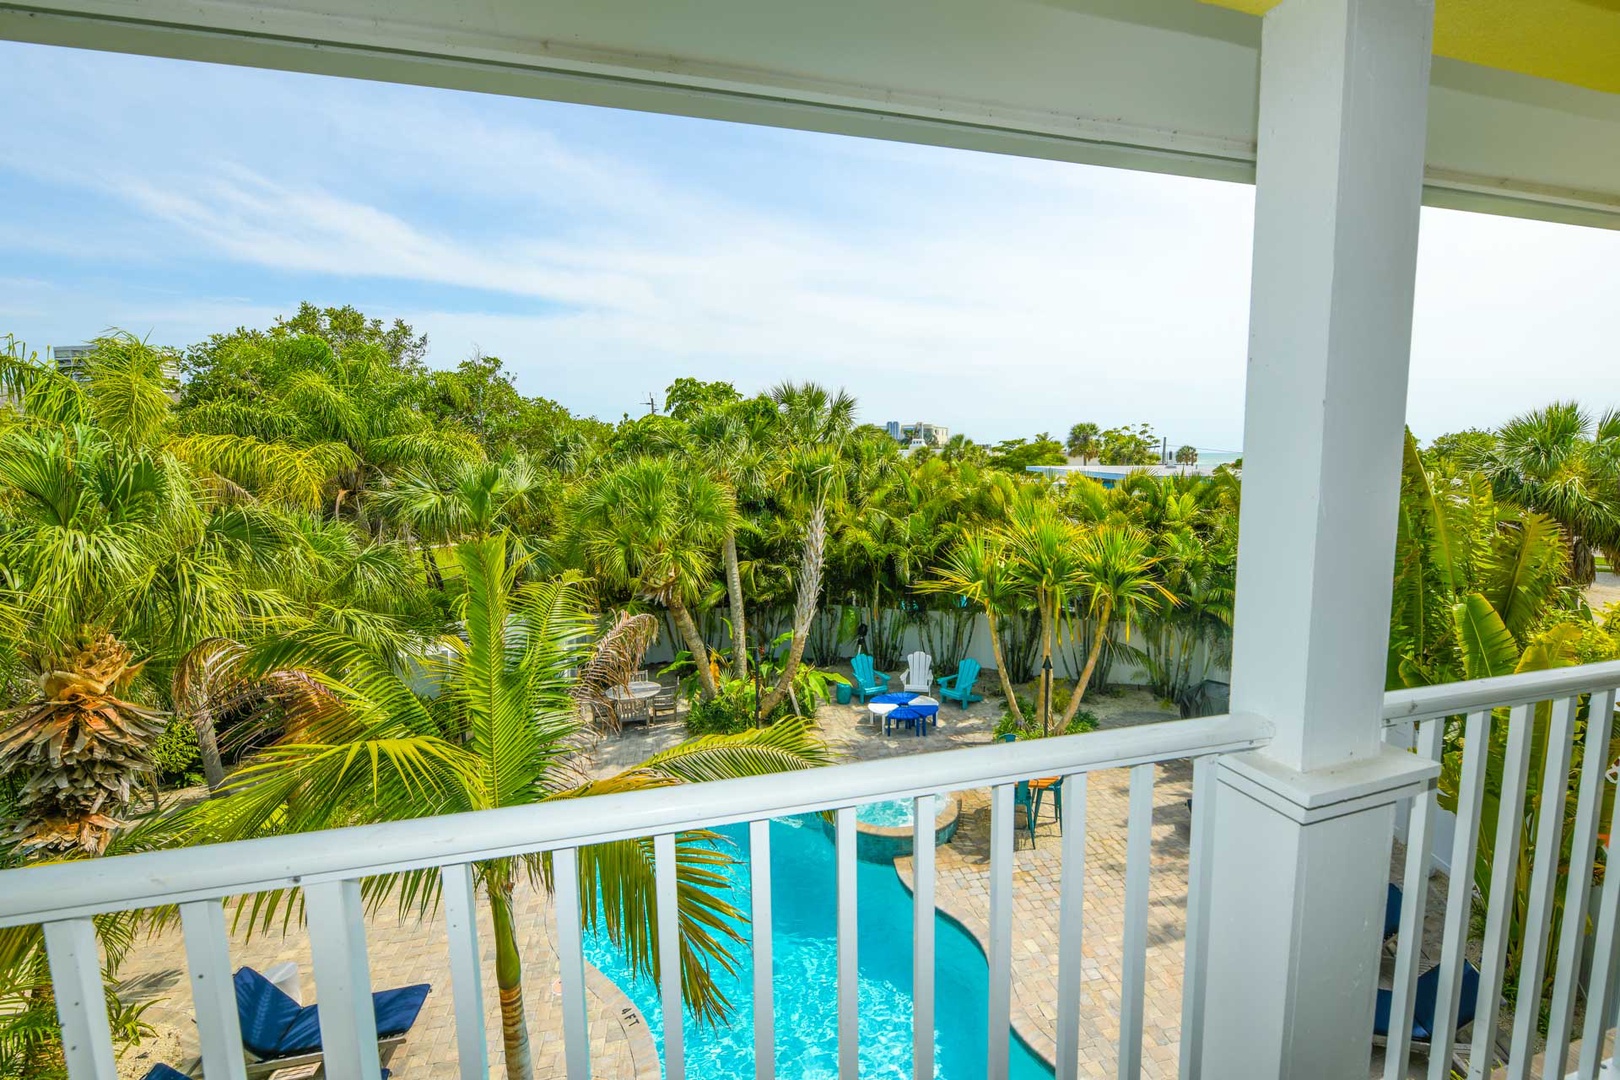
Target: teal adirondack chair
868,682
959,687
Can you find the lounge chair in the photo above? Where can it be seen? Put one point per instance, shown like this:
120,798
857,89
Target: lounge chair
959,687
919,678
868,681
1428,988
161,1071
281,1033
1392,911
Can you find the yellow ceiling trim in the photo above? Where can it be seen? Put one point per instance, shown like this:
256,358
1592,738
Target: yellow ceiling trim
1571,41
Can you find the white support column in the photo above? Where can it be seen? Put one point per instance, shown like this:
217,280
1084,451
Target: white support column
1300,838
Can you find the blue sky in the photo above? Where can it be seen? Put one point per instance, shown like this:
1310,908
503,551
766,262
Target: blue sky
601,254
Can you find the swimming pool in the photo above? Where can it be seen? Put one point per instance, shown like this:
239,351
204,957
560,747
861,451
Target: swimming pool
804,924
891,813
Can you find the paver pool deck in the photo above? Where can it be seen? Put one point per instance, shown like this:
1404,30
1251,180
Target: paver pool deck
416,951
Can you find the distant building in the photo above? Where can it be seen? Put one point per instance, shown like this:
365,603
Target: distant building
69,359
918,434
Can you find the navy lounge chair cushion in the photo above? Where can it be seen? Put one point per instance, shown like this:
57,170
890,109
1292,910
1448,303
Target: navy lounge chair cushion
1428,987
1392,911
274,1025
161,1071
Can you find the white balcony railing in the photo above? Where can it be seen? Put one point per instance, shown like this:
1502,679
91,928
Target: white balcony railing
1421,718
329,866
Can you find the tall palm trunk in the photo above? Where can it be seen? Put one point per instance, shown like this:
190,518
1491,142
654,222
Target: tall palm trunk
739,617
1042,705
1001,667
694,644
208,748
804,610
1103,615
509,981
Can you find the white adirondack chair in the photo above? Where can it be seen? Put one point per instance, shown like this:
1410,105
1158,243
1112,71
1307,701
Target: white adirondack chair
919,672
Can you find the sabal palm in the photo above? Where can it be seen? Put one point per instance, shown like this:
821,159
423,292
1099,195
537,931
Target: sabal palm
812,414
504,732
1558,461
1117,585
653,526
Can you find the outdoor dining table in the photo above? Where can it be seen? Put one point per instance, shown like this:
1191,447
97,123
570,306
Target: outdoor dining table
896,707
636,688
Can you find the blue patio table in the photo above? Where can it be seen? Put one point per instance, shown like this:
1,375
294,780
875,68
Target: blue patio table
882,705
917,715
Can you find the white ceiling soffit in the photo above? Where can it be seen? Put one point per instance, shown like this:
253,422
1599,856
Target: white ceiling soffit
1162,85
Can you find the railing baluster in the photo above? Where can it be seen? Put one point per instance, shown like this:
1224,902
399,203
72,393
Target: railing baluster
571,962
669,955
922,936
337,943
1543,887
1600,993
1133,976
849,990
466,978
1196,945
1499,905
1459,891
81,1004
759,883
1414,905
999,953
1071,925
1583,849
213,995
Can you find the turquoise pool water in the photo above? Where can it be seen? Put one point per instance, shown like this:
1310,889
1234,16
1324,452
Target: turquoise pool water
804,925
892,814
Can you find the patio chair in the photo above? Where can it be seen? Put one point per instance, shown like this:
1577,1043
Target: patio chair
280,1033
1023,797
665,703
1392,911
1056,789
633,710
868,681
1428,988
919,677
959,687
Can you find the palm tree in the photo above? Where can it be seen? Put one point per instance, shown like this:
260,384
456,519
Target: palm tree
1557,461
1186,455
1043,548
652,526
729,442
1116,573
504,731
813,414
78,749
978,569
1084,441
